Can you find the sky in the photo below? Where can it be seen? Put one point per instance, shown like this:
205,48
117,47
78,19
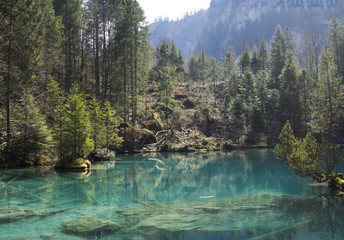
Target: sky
172,9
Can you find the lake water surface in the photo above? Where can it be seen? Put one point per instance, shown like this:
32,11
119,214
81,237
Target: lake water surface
217,195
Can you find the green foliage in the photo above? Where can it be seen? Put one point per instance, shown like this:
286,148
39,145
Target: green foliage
73,130
245,60
197,66
278,52
166,83
104,125
70,12
53,99
336,41
255,60
163,54
290,95
229,65
327,99
263,55
306,157
97,122
31,136
111,123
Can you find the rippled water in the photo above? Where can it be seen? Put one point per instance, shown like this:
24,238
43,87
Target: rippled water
219,195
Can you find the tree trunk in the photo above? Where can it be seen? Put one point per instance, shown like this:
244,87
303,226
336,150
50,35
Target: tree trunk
8,88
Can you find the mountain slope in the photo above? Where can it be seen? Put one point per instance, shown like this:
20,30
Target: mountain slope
235,22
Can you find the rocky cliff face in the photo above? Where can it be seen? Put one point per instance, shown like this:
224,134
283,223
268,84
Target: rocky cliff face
235,22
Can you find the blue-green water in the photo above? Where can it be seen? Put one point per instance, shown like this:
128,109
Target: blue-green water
220,195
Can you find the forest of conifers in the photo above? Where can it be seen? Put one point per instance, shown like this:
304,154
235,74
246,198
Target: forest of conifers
79,77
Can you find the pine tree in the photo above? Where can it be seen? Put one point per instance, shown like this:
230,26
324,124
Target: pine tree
173,55
163,54
278,53
245,60
32,136
229,66
180,59
73,131
97,123
290,95
336,40
111,123
53,99
166,83
307,158
263,55
255,60
289,42
328,98
305,88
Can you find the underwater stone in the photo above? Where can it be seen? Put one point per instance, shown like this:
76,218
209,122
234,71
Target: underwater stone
86,227
8,215
172,222
210,209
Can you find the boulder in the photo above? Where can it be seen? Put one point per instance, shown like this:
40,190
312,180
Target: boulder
87,227
188,104
78,165
153,125
148,136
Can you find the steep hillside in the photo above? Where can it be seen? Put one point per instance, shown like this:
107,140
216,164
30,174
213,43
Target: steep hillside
235,22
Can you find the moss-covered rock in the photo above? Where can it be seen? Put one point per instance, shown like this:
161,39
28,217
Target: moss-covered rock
87,227
153,125
136,138
79,164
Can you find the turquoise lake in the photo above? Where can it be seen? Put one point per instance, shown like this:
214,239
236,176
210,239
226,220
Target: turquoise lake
216,195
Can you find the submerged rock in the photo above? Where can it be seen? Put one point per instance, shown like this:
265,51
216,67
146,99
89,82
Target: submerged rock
210,209
171,222
8,215
86,227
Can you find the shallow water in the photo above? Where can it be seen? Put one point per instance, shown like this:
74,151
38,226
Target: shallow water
219,195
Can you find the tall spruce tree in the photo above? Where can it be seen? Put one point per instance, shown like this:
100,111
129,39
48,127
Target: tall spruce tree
32,138
245,60
255,60
336,40
73,130
277,58
263,55
290,95
229,65
328,98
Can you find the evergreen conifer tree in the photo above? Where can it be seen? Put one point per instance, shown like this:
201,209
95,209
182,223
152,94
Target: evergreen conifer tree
73,131
290,95
278,53
263,55
245,60
327,99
